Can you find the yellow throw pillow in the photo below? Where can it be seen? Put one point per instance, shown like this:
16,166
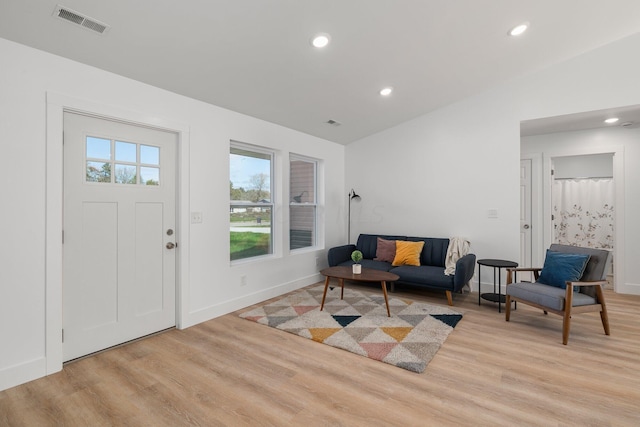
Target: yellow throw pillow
407,253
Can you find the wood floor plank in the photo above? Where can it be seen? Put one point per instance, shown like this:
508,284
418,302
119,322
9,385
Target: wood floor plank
234,372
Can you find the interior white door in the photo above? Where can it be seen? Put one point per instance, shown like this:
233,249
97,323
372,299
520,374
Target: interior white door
119,233
525,214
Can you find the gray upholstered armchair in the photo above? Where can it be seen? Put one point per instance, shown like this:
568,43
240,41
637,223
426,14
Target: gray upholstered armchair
569,283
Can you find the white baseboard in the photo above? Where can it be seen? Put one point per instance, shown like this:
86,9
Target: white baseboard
22,373
229,306
629,288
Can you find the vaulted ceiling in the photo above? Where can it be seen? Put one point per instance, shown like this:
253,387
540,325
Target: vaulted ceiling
255,56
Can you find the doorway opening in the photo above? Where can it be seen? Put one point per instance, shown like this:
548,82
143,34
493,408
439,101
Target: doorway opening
57,105
581,138
583,202
119,218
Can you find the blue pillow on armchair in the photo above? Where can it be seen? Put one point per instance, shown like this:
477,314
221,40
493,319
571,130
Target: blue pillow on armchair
560,267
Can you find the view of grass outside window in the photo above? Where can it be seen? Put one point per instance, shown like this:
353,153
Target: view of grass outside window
302,206
251,205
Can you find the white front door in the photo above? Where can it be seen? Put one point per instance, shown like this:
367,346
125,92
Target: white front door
525,214
119,275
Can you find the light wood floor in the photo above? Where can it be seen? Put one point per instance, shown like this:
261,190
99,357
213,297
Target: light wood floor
234,372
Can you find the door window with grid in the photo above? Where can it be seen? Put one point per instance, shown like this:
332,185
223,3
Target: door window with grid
120,162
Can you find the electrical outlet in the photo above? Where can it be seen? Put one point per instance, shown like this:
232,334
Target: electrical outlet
317,262
196,217
243,280
492,213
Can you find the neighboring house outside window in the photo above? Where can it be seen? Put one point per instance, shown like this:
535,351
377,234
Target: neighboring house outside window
251,201
303,202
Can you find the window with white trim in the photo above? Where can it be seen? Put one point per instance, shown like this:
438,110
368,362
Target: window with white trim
251,201
303,202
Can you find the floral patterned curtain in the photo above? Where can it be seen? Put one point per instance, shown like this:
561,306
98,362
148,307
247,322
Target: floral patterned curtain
583,212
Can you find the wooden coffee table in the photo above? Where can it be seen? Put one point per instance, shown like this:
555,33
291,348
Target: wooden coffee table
367,275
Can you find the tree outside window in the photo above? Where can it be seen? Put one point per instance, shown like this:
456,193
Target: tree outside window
251,204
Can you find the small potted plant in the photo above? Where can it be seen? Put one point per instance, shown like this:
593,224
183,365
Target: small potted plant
356,256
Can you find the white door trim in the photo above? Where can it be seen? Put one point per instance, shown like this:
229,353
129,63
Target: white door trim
56,105
536,208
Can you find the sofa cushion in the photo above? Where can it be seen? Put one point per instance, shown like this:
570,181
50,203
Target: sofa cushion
386,250
546,296
376,265
369,263
560,268
434,252
407,253
368,243
424,275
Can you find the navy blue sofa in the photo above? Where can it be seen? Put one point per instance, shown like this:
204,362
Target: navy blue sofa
430,273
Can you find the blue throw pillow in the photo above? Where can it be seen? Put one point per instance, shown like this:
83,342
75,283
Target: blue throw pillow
560,267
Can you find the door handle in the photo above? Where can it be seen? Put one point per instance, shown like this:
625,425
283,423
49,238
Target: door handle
170,245
526,226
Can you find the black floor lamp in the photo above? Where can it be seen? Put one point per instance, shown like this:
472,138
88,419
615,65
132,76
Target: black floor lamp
351,196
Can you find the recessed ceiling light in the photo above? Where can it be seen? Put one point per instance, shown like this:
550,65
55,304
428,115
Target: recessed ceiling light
320,40
611,120
386,91
519,29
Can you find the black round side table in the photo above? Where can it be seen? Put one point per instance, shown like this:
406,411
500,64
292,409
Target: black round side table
497,264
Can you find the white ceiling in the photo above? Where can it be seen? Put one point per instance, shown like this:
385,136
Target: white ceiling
628,117
254,56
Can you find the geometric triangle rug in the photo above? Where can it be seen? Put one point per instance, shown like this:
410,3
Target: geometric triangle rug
359,323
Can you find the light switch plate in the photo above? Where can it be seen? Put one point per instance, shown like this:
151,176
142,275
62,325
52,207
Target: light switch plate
196,217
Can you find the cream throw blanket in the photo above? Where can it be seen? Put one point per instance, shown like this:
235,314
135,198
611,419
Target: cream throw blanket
458,247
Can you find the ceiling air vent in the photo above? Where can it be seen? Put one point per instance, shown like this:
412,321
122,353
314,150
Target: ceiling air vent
77,18
333,122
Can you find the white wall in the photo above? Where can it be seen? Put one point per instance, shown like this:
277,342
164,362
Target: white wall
210,285
439,174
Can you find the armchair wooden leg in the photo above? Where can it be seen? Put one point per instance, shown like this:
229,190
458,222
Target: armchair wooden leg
449,298
566,322
507,307
566,325
605,321
603,311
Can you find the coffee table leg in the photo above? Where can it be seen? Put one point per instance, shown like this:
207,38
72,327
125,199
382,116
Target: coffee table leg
341,281
386,299
324,295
